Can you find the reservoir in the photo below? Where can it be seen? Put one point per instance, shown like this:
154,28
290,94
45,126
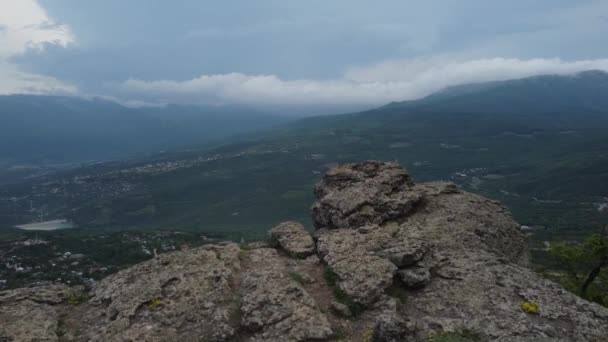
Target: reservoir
47,225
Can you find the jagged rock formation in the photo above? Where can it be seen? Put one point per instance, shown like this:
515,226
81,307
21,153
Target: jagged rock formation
358,194
391,260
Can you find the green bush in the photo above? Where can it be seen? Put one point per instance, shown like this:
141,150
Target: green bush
331,278
297,277
77,298
583,264
455,336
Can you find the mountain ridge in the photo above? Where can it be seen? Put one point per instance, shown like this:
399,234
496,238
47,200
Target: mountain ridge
43,129
240,188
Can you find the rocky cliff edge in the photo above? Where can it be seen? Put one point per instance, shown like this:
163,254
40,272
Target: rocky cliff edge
390,260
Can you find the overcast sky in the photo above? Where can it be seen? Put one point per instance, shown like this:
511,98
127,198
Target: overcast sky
279,52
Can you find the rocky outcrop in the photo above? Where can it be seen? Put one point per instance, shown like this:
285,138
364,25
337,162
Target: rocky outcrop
354,195
391,260
293,238
31,314
461,258
174,297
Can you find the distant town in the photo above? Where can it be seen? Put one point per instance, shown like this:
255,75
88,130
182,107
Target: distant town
35,258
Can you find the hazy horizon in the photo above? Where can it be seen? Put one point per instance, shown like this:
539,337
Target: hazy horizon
275,54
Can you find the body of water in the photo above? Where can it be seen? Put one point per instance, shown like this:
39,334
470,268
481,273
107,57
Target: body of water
47,225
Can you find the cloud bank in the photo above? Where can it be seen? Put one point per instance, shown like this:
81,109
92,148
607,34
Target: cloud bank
281,53
25,26
371,85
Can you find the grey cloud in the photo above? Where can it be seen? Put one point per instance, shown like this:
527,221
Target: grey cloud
377,84
318,44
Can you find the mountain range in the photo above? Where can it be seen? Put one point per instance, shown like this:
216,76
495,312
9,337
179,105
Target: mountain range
53,129
537,144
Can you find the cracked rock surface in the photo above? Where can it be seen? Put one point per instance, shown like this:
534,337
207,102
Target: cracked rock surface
30,314
354,195
390,260
176,296
274,306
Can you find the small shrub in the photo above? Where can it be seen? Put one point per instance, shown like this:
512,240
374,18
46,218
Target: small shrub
331,278
297,277
154,302
455,336
368,335
77,298
529,307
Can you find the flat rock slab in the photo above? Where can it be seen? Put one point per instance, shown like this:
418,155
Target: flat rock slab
274,307
361,274
31,314
178,296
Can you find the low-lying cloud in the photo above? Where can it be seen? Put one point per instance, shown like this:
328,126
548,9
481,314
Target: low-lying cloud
371,85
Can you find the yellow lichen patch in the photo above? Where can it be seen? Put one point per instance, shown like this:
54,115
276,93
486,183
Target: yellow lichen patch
529,307
154,302
76,298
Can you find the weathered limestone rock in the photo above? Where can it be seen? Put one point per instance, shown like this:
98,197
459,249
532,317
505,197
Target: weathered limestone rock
362,275
340,309
175,297
470,245
414,277
276,308
31,314
388,323
294,239
405,253
392,328
354,195
256,245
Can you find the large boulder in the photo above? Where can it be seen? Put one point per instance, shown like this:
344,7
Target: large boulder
354,195
361,274
294,239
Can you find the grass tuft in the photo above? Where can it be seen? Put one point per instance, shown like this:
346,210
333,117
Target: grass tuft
463,335
297,277
77,297
331,278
